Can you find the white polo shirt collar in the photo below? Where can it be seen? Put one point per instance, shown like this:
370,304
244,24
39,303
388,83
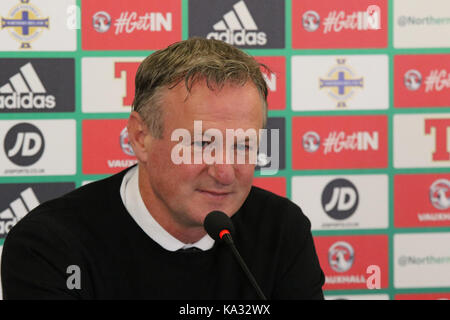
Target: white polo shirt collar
132,200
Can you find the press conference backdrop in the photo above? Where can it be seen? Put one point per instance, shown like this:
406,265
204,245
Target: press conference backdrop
359,91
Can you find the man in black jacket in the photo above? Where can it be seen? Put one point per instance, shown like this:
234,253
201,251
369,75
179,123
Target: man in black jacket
198,110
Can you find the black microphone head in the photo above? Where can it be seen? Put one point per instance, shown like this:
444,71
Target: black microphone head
217,221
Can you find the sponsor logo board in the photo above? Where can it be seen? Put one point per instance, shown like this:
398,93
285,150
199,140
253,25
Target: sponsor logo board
353,82
422,200
422,80
339,142
343,202
347,24
19,199
421,260
242,23
38,25
421,24
421,140
36,85
108,83
345,260
106,148
130,25
37,147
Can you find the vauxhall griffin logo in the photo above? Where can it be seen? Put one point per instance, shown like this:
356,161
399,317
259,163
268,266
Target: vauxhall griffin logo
238,28
125,143
341,256
440,194
412,80
311,141
24,144
25,90
311,21
101,21
340,199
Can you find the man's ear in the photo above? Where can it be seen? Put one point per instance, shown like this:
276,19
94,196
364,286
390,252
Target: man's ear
138,133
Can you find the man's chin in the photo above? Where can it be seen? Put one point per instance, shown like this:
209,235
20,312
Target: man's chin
199,214
228,210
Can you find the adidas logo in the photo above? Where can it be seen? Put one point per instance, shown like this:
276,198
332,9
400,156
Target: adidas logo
25,90
17,210
238,28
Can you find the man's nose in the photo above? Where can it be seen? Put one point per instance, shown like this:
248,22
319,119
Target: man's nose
222,173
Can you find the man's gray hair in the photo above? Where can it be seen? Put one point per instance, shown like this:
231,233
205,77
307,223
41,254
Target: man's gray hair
192,60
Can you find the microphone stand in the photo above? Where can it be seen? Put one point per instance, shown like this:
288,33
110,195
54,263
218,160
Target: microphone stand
229,241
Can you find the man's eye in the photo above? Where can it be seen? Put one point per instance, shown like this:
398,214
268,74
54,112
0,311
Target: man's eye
242,147
200,144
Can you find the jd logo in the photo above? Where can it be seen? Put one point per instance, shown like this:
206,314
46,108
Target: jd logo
24,144
340,199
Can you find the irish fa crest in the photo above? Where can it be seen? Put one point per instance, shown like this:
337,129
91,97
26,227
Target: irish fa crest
25,23
341,83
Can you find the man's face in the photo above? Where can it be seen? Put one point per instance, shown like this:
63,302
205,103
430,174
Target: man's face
188,192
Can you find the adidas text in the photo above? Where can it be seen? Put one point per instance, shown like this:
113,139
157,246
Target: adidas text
240,38
27,101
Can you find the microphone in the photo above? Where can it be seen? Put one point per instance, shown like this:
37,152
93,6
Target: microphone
220,227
